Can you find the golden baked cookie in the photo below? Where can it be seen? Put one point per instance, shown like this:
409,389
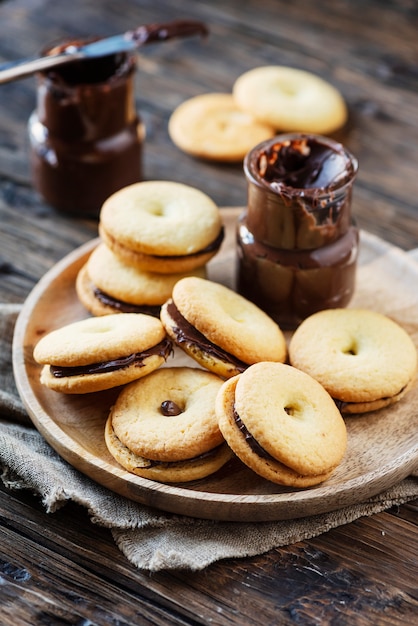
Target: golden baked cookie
212,126
162,226
282,424
101,352
106,284
290,99
223,331
164,427
364,359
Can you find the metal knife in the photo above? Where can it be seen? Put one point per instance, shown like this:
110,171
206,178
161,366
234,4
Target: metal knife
127,42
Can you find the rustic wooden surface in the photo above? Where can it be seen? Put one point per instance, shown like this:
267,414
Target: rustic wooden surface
60,569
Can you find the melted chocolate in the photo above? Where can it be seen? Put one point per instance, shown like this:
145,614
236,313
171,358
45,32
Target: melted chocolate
170,408
299,196
148,463
186,333
85,135
125,307
297,242
214,245
341,404
303,163
290,285
253,443
164,348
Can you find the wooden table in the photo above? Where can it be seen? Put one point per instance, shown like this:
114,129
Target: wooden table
60,568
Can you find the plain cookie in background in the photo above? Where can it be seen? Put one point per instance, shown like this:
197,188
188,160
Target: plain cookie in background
212,126
290,99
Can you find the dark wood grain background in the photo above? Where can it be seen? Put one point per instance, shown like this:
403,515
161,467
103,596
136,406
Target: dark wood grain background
60,569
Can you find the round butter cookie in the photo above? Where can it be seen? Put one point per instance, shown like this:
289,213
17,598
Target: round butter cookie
282,424
106,284
162,226
99,353
164,426
212,126
364,359
290,99
220,329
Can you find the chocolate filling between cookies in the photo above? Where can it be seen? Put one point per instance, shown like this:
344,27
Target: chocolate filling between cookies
125,307
253,443
186,333
151,463
342,404
211,247
163,349
145,463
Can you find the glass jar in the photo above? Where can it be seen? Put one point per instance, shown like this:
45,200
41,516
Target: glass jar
297,241
85,135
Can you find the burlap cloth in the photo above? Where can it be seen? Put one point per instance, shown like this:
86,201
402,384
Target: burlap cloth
150,539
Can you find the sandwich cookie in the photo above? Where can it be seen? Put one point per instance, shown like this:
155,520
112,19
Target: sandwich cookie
364,359
220,329
282,424
162,226
101,352
211,126
290,99
106,284
164,427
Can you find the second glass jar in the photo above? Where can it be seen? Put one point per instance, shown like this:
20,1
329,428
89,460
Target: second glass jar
297,240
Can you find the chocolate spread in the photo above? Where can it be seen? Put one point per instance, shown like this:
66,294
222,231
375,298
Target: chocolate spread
125,307
170,408
297,242
85,134
212,246
186,333
151,463
164,348
253,443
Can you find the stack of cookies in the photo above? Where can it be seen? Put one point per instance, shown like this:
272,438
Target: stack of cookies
153,233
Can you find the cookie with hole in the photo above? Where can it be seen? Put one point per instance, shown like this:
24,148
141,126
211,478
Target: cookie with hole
282,424
162,226
220,329
364,359
99,353
164,426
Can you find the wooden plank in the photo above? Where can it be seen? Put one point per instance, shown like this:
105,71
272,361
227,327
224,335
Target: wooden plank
83,574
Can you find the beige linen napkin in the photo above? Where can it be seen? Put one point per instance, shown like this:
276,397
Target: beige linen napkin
151,539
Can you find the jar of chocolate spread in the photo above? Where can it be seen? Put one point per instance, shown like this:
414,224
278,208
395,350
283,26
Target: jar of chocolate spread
297,241
85,134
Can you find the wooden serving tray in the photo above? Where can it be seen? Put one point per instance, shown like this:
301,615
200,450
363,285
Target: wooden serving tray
382,446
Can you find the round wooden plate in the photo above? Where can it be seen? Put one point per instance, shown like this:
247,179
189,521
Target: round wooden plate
382,448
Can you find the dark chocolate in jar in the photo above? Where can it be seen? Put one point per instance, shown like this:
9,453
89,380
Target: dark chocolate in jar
299,191
290,285
297,241
85,134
